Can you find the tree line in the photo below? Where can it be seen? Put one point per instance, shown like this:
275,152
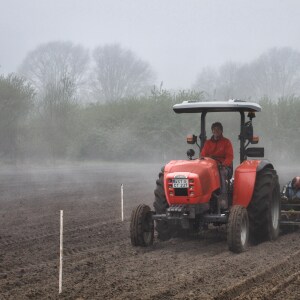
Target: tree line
137,129
274,74
61,105
111,73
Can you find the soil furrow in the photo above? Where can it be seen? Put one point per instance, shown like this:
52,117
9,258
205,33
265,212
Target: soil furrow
264,284
100,262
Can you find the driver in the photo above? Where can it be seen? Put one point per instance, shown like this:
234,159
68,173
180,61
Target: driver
220,149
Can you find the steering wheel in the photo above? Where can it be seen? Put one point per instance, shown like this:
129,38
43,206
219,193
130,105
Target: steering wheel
216,159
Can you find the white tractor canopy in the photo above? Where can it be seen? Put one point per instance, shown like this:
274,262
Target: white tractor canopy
216,106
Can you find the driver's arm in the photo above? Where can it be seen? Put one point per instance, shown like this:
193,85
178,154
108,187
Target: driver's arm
204,151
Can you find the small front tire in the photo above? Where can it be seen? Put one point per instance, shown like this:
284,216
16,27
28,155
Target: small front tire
141,226
238,229
163,227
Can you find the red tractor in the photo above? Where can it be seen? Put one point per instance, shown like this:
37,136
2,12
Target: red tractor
187,191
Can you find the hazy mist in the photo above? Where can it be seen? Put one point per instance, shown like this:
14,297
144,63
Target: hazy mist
177,38
96,80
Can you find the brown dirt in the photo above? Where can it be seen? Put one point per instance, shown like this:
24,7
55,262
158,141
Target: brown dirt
99,261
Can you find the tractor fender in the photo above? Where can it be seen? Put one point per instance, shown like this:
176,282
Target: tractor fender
244,180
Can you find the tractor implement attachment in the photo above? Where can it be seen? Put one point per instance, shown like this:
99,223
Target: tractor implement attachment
290,212
290,205
292,223
290,217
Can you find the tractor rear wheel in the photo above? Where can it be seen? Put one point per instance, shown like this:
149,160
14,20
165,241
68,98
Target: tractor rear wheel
264,208
141,226
238,229
160,204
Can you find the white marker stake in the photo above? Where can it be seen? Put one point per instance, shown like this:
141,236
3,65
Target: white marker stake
122,203
61,251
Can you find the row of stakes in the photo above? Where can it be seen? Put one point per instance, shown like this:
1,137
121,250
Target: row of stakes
61,240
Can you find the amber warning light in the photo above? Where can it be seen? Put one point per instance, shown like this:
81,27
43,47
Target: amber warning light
255,139
191,139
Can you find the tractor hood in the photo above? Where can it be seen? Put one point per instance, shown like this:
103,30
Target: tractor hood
202,179
189,166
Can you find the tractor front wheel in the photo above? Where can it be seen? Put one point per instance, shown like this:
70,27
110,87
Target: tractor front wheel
163,227
141,226
238,229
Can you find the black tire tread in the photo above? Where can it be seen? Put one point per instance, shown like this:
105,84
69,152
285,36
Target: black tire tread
138,216
237,214
160,205
260,221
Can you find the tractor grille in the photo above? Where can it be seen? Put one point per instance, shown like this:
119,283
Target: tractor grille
181,192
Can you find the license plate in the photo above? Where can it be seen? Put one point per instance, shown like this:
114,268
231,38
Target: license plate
180,183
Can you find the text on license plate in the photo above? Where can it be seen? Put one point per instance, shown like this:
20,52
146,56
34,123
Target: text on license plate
180,183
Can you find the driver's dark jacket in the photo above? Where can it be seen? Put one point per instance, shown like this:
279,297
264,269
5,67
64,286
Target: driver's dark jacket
219,149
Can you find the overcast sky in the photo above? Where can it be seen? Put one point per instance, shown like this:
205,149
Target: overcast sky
176,37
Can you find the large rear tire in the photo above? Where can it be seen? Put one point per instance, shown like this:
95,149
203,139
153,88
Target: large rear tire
163,228
238,229
141,226
264,208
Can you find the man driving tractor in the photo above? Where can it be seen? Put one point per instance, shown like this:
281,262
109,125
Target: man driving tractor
220,148
186,188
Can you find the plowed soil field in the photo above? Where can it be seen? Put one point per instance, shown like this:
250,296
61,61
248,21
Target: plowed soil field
99,261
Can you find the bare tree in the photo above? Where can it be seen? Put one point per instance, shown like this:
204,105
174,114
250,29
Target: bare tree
207,81
118,73
221,85
276,73
58,71
228,81
56,62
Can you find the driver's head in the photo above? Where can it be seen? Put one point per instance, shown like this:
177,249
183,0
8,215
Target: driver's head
217,130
